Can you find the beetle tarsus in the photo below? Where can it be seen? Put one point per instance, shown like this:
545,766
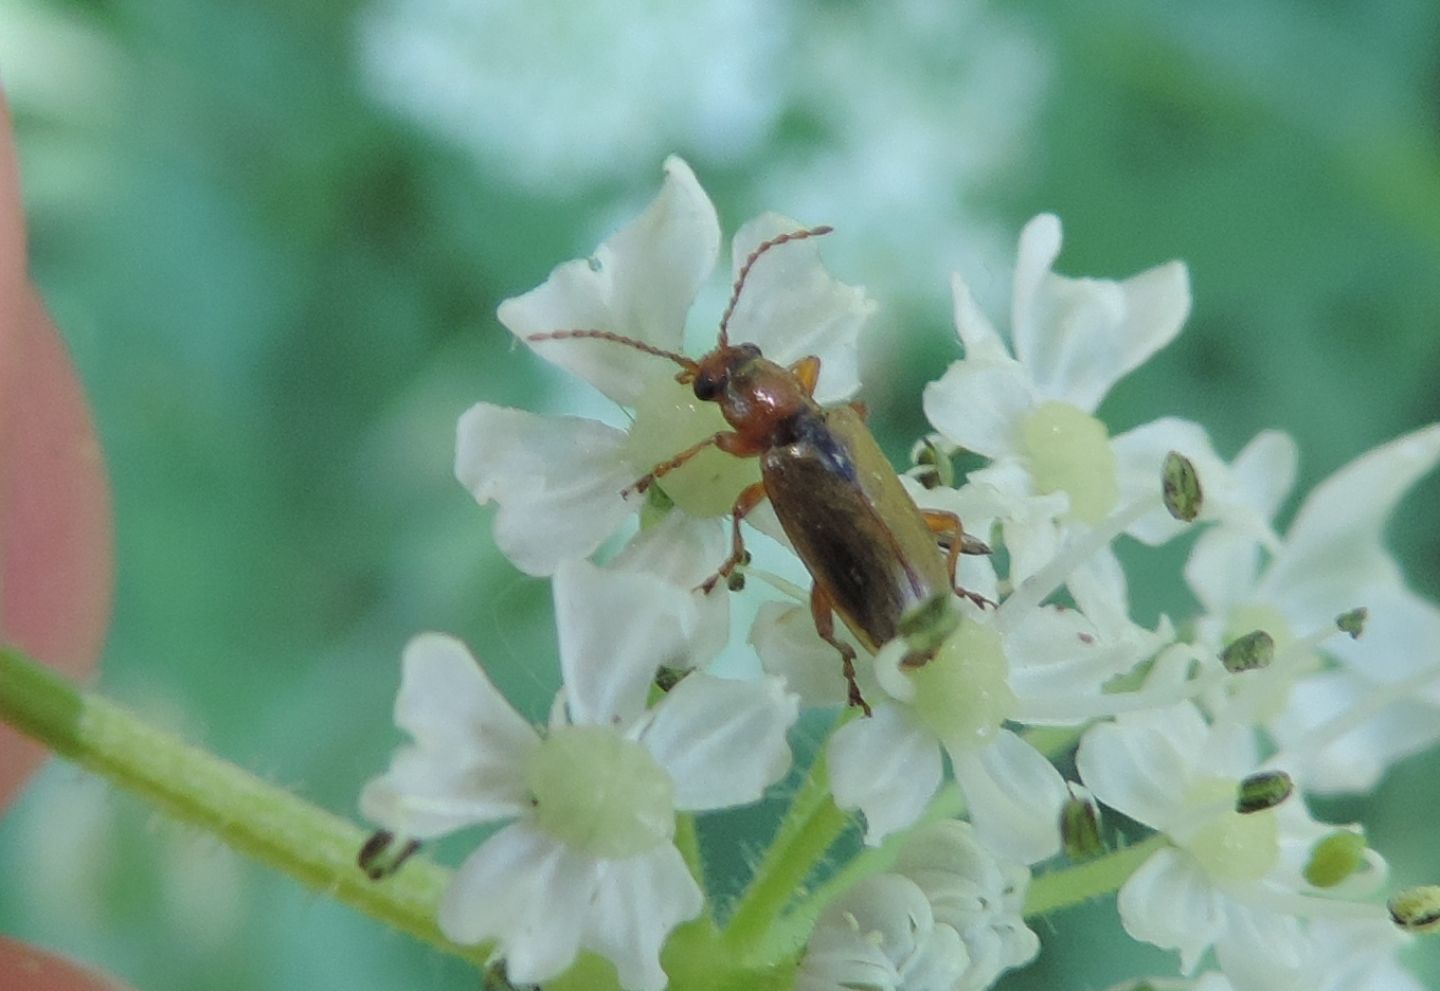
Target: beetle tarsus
639,486
976,598
856,700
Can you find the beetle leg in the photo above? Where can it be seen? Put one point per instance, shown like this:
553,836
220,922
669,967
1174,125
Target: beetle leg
727,440
750,497
822,611
951,532
807,373
666,467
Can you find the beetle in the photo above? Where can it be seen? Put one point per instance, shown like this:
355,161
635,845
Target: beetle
870,550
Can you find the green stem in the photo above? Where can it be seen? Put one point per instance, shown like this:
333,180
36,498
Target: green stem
687,841
256,818
1072,885
812,823
791,932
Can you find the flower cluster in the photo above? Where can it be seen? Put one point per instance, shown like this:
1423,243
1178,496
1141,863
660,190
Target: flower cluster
1206,731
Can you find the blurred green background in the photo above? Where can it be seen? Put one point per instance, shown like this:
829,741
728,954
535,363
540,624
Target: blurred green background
275,235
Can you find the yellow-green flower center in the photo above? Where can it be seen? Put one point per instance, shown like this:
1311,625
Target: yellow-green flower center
600,793
1070,452
1229,845
962,694
668,419
1269,694
1247,619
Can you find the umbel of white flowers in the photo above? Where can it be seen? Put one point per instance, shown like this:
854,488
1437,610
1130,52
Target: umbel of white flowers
1211,738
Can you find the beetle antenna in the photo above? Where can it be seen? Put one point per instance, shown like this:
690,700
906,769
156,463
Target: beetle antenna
605,335
765,246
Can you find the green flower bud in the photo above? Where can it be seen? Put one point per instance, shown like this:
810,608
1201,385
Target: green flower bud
1334,858
1080,826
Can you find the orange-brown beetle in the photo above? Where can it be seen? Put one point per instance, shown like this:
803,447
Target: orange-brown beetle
870,550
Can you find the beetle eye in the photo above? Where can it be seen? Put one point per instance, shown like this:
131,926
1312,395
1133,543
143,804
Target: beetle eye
707,387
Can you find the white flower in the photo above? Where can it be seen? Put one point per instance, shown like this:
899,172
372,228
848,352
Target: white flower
977,894
552,95
890,765
1047,666
1228,876
558,480
946,919
1073,339
881,935
1032,413
1331,560
587,859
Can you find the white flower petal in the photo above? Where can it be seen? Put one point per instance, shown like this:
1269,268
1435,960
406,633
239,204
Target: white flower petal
974,893
841,958
557,482
1157,303
471,747
1401,632
976,332
722,741
639,284
638,901
939,963
1100,591
785,638
1031,533
1078,337
1058,660
446,702
791,307
1014,795
1140,764
1334,545
680,548
685,551
1355,761
1222,568
978,404
1357,955
1140,457
1170,902
886,767
1039,247
1264,471
889,910
945,856
1266,951
615,629
527,892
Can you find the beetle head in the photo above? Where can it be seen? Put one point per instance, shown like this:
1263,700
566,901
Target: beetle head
712,373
